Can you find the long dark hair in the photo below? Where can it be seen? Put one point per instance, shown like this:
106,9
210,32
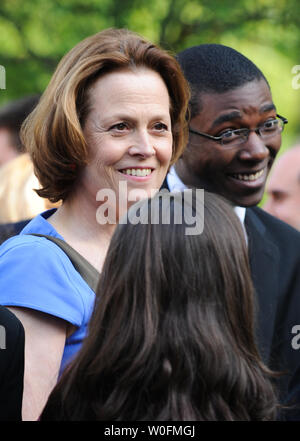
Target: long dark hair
171,336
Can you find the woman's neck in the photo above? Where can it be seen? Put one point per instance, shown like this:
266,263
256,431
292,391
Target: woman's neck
75,220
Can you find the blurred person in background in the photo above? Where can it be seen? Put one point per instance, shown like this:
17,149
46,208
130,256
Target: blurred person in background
283,188
14,172
112,116
12,116
19,202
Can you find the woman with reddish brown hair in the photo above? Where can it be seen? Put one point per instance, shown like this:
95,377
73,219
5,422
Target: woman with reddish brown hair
111,122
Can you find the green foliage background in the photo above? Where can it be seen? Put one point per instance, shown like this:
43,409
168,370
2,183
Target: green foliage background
35,34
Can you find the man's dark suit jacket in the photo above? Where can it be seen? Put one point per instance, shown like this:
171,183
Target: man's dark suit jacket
274,254
274,251
12,341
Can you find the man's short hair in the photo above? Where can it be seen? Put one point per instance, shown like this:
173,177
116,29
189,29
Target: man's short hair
215,68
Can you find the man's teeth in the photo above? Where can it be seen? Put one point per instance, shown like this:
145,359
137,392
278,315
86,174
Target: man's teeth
248,177
137,171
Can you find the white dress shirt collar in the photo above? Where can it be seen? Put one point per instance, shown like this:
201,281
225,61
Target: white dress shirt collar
176,184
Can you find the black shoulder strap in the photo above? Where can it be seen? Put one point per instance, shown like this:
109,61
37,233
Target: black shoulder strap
85,269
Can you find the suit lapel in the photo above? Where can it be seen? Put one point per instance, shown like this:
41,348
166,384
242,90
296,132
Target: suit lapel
165,184
264,262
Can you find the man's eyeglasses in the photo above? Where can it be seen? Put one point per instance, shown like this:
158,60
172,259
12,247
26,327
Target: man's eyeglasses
231,138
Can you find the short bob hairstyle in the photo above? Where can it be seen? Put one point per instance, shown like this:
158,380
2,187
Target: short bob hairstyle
53,132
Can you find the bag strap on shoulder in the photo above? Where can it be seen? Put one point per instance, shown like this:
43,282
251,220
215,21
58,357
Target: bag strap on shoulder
85,269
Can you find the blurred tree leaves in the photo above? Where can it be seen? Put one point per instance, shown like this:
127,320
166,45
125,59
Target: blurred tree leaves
35,34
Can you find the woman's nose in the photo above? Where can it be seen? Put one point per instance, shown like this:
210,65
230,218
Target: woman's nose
142,144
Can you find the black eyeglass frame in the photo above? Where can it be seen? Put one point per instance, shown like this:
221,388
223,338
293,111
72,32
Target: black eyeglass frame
220,138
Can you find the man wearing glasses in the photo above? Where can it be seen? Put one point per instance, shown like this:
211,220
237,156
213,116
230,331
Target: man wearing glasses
235,135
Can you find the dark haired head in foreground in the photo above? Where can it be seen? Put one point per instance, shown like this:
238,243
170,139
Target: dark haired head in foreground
171,337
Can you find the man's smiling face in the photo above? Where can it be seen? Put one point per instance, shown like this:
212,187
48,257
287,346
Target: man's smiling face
238,173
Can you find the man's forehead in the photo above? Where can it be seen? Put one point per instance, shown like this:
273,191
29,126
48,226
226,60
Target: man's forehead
238,114
254,96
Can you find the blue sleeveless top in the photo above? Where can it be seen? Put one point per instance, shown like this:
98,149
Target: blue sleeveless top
35,273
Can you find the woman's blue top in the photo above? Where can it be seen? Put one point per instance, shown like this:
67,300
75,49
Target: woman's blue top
35,273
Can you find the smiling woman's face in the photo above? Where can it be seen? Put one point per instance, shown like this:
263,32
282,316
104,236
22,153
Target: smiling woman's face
128,132
238,173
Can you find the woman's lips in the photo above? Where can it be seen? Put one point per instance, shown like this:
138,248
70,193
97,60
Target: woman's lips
137,173
141,172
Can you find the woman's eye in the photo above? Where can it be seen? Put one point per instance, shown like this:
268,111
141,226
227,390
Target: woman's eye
160,127
120,127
